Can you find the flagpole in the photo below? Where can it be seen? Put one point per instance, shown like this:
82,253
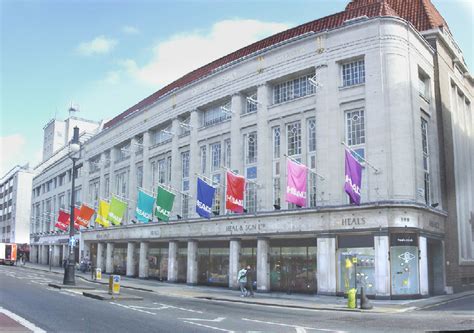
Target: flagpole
309,169
146,191
175,191
209,180
363,159
123,198
236,174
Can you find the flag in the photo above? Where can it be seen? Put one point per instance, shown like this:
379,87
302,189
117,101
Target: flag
144,210
353,178
63,221
296,180
234,196
164,204
76,214
205,195
116,210
85,214
102,213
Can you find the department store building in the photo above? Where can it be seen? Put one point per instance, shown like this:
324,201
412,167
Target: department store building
366,77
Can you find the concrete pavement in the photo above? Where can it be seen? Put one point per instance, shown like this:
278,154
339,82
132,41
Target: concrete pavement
312,302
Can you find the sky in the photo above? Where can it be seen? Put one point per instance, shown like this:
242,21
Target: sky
105,56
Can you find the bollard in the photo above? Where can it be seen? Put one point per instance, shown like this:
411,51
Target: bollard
364,301
114,284
351,298
98,274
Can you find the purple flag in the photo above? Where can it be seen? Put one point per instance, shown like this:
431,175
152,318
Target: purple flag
296,183
353,178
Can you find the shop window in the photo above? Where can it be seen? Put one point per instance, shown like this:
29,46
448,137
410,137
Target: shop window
120,259
158,263
182,263
356,263
213,263
404,268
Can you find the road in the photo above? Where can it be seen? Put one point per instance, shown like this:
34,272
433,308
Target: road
26,293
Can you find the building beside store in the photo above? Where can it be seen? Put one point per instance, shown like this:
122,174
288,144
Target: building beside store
369,77
15,198
51,188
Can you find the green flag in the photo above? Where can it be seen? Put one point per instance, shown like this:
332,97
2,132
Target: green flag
164,204
116,211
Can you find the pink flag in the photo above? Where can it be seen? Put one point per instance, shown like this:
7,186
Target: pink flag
296,183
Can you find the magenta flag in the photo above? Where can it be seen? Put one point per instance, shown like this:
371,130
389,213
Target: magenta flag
353,178
296,183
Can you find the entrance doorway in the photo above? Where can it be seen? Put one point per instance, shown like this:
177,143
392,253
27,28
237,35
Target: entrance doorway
435,267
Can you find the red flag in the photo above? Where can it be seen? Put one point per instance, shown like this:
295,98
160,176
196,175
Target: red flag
63,221
76,214
84,216
234,197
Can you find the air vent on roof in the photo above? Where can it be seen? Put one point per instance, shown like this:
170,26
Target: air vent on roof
355,20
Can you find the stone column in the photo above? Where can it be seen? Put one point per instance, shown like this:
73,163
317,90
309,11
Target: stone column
86,249
143,260
132,181
263,265
113,159
109,259
146,161
382,266
100,256
130,259
173,261
264,144
236,159
326,265
192,262
193,158
33,254
56,256
234,258
176,165
44,254
422,246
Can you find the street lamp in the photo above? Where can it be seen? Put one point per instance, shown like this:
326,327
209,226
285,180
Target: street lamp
69,271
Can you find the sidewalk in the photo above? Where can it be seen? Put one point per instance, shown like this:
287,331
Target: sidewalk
313,302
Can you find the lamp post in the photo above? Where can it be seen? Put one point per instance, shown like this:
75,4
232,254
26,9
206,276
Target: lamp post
69,271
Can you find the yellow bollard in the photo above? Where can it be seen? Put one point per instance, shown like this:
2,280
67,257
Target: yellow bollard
98,274
114,284
351,298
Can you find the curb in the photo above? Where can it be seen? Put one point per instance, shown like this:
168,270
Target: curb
419,308
289,305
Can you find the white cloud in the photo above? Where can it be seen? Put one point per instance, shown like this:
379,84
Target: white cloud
11,150
99,45
130,30
185,52
112,77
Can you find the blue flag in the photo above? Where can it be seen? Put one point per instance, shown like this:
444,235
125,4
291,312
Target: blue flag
144,209
205,196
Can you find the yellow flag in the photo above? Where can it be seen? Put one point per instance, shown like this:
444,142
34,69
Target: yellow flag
102,213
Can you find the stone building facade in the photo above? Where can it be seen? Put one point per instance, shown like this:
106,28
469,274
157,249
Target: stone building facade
366,77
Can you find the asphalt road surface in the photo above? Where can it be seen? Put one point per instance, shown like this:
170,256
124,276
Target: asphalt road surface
26,293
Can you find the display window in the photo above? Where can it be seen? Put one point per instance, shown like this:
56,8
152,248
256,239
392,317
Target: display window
182,263
293,266
158,262
356,263
120,259
404,264
213,264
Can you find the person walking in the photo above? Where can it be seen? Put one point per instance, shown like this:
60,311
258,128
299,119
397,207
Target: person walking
250,280
242,278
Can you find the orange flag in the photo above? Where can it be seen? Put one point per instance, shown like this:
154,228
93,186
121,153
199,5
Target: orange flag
85,215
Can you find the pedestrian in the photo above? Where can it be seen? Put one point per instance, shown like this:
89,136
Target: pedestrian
250,280
242,278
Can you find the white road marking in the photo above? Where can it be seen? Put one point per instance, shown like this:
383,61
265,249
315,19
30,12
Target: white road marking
207,326
217,320
22,321
179,308
130,308
299,329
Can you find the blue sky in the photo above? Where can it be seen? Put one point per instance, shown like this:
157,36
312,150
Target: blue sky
105,55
